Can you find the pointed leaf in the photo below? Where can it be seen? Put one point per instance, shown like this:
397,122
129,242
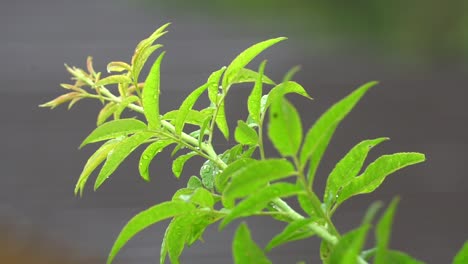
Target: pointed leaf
244,134
350,245
141,59
293,231
145,219
118,66
194,183
255,175
255,97
178,232
106,112
213,85
178,164
203,198
123,105
208,173
221,121
284,88
151,39
285,128
119,153
193,117
148,155
347,168
113,79
382,234
222,179
319,135
376,173
462,255
244,248
113,129
397,257
260,199
246,75
150,96
244,58
186,106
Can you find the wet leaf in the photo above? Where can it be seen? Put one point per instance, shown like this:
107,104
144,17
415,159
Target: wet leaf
255,97
150,96
179,162
244,134
285,128
186,106
244,248
246,76
294,231
113,129
148,155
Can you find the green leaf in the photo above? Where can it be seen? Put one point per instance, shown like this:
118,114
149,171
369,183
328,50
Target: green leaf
113,129
114,79
148,155
93,162
151,39
141,59
285,128
186,106
244,248
193,117
203,130
260,199
250,178
106,112
294,231
123,105
203,198
319,135
348,248
194,183
255,97
213,85
244,58
306,204
221,121
118,66
462,255
222,179
145,219
347,169
382,233
244,134
284,88
119,153
376,173
246,76
150,96
208,172
178,164
397,257
178,232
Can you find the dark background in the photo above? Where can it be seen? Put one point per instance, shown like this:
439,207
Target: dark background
416,49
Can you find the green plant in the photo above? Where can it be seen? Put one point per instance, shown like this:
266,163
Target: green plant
241,181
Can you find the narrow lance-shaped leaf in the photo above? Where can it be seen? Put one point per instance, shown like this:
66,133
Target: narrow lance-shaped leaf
350,245
376,173
462,255
213,85
124,104
294,231
93,162
244,248
178,232
244,134
260,199
186,106
106,112
150,96
148,155
118,154
141,59
145,219
248,179
113,79
118,66
255,97
221,121
114,129
246,75
222,179
285,127
244,58
319,135
152,38
179,162
382,234
284,88
347,168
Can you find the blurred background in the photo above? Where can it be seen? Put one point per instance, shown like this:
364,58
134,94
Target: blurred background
418,50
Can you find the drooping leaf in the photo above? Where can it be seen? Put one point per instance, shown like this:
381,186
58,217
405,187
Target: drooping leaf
260,199
194,183
193,117
141,59
376,173
145,219
246,76
221,121
462,255
284,88
178,232
255,175
244,134
186,106
106,112
119,153
148,155
213,85
150,96
113,129
118,66
222,179
349,246
178,164
319,135
255,97
244,248
244,58
382,233
293,231
347,168
113,79
203,198
285,127
201,222
93,162
123,105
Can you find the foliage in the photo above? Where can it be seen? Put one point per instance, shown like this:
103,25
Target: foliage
242,181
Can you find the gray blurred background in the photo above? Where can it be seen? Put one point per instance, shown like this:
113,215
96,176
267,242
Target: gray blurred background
418,50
